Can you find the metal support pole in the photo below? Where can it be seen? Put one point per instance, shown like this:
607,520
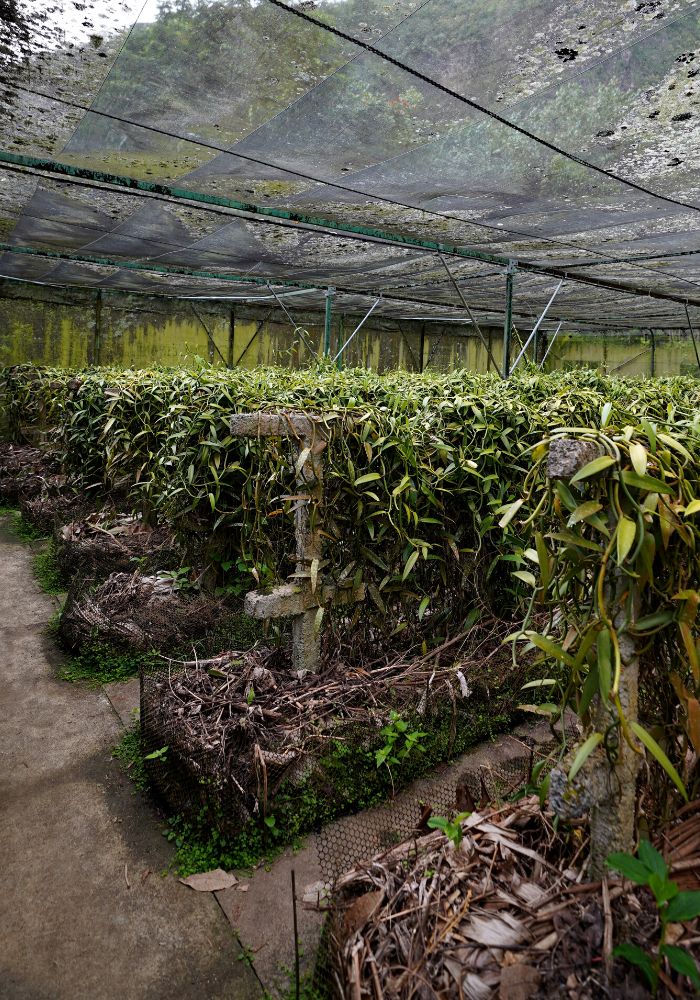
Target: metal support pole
469,313
508,322
652,363
97,334
297,329
536,326
327,323
551,344
357,329
231,336
692,334
422,348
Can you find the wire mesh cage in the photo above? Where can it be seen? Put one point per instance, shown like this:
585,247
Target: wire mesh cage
251,742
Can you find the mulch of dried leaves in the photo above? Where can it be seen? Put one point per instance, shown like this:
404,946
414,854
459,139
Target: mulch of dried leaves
24,471
505,914
245,720
108,542
138,612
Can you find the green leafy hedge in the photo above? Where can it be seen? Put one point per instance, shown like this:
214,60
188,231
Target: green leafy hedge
418,473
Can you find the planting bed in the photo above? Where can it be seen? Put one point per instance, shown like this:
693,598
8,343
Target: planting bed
250,741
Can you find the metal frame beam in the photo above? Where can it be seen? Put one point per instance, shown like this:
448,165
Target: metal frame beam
285,217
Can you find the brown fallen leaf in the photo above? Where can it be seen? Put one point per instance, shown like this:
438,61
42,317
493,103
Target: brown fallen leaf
518,982
357,915
211,881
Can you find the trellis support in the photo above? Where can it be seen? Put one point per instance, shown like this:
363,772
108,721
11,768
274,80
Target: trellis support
304,598
357,329
536,327
327,323
508,321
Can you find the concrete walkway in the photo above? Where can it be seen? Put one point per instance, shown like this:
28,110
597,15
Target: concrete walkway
84,911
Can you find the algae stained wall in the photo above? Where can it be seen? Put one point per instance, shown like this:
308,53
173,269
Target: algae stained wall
76,327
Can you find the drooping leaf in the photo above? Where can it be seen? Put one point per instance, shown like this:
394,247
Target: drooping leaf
626,534
604,657
639,457
593,468
510,512
583,753
659,756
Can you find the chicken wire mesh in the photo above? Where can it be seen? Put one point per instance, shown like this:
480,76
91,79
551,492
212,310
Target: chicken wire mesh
251,743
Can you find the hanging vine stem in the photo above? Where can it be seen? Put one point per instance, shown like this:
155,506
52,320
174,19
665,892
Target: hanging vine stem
640,496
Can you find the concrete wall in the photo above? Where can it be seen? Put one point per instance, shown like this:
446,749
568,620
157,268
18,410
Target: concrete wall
76,327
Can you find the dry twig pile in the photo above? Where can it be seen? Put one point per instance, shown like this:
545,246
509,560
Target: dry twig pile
138,612
505,914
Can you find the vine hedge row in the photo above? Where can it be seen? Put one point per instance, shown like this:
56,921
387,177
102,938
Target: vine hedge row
419,471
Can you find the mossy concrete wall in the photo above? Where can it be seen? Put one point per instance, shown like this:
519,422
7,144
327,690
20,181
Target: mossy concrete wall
76,327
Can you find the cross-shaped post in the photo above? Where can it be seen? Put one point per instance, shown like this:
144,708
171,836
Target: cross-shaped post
301,599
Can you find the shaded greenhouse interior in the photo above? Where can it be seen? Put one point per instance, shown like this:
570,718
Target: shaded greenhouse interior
240,149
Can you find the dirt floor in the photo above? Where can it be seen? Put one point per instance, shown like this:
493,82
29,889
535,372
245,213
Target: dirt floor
84,911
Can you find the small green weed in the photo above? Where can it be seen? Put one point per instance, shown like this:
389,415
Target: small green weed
674,906
46,570
452,828
6,510
128,753
399,742
25,530
100,663
246,955
199,847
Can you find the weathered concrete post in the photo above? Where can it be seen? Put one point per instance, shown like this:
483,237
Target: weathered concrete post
302,599
606,784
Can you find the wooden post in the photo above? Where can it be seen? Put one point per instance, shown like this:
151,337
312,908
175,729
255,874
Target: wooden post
302,599
606,785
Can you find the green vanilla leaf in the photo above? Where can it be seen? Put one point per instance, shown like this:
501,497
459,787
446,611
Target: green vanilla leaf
510,512
549,647
593,468
369,477
604,657
659,756
584,752
648,483
583,511
639,457
626,534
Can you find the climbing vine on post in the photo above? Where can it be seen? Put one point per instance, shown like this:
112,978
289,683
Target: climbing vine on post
612,518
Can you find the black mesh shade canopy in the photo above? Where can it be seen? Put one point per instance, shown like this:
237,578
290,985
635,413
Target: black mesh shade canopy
250,148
